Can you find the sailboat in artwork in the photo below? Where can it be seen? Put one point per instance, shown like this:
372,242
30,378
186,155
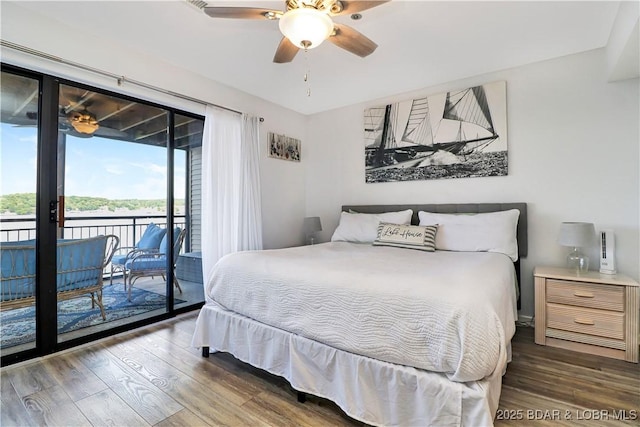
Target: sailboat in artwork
468,107
401,135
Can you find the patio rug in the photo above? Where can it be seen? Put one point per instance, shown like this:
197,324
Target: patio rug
18,326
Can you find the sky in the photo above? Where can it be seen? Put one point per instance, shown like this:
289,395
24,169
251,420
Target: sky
95,167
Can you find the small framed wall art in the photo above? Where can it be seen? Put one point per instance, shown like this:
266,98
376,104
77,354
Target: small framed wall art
283,147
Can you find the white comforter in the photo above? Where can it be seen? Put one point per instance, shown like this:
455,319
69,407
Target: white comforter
451,312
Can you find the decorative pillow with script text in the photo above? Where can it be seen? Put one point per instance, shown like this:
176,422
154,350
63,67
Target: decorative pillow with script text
407,236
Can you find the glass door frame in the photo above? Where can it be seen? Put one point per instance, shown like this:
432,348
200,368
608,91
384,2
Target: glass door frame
46,231
46,218
47,226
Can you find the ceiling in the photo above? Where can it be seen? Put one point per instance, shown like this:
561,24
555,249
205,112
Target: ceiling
421,43
117,118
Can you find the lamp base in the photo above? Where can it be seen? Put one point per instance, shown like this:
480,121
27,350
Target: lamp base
578,261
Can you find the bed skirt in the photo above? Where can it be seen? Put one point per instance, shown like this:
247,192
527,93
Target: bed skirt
368,390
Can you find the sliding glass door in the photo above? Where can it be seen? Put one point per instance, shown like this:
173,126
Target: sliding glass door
18,186
102,182
112,181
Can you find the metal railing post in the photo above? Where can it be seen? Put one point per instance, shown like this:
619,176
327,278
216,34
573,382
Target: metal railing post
134,231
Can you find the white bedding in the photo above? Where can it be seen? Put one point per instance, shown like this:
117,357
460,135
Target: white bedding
374,392
450,312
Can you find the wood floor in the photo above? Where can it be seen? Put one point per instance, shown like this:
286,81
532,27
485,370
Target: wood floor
153,377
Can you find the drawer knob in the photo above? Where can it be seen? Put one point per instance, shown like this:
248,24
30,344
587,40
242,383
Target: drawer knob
583,294
584,321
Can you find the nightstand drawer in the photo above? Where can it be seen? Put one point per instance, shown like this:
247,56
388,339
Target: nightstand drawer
605,297
586,339
602,323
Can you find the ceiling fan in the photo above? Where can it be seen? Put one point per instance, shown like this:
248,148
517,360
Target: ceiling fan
83,121
305,24
76,119
84,124
81,124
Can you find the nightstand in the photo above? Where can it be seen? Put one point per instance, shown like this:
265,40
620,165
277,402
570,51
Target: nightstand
591,312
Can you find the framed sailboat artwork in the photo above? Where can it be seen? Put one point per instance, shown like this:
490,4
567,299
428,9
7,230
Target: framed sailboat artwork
456,134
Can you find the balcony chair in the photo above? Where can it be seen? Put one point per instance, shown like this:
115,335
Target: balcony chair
79,267
144,264
149,242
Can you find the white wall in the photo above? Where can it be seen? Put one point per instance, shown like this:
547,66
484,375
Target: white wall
573,156
623,47
282,182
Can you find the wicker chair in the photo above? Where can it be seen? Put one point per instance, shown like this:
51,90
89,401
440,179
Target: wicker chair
145,264
80,265
149,242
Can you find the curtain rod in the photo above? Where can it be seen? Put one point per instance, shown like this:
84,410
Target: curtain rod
119,79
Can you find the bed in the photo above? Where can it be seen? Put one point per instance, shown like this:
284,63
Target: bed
393,335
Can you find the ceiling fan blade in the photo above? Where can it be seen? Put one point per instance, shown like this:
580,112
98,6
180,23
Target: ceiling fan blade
69,130
111,133
241,12
352,40
349,7
286,51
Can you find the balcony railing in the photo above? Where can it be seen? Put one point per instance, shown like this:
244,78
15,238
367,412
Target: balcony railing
128,228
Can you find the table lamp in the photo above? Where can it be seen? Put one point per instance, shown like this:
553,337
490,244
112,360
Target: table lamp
311,226
577,235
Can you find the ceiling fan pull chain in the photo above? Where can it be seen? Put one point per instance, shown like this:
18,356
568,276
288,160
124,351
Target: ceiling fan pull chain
308,73
306,76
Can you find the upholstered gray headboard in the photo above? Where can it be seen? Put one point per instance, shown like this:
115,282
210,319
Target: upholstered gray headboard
456,208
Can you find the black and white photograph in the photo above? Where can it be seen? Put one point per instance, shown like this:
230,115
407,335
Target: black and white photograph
456,134
284,147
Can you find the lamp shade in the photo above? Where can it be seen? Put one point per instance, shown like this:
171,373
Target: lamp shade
576,234
306,27
312,225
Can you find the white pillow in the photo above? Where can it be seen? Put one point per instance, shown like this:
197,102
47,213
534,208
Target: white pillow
363,228
482,232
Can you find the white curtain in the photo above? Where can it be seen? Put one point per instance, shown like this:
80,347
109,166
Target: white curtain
231,208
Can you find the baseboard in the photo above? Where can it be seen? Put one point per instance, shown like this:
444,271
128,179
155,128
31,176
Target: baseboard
526,321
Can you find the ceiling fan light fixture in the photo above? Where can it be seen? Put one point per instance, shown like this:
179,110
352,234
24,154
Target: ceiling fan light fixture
83,123
306,27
